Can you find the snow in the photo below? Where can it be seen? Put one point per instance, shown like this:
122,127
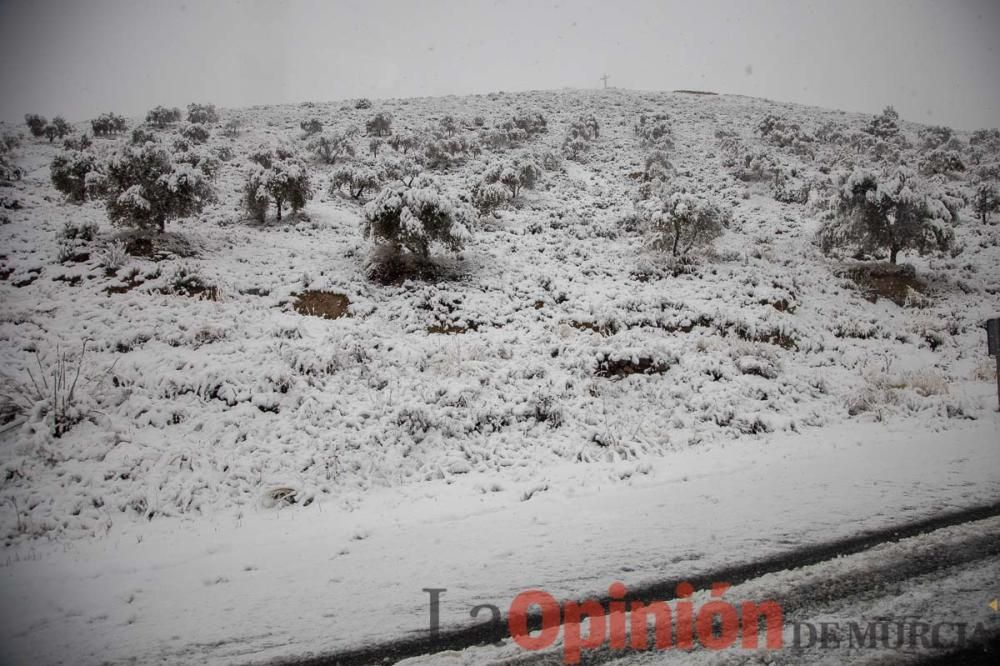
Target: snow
783,407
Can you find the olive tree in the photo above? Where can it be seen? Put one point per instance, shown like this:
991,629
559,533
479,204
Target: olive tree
891,211
143,187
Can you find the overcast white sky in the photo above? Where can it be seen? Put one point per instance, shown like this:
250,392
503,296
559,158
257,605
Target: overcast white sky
936,62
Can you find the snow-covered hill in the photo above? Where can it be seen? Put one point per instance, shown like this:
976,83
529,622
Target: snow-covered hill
554,337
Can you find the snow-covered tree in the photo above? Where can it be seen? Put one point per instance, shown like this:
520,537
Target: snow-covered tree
69,171
680,222
380,124
311,126
414,218
516,174
487,197
57,128
36,124
332,146
107,124
885,125
934,136
161,116
892,211
986,201
144,188
406,170
277,175
448,125
356,179
200,114
403,142
195,133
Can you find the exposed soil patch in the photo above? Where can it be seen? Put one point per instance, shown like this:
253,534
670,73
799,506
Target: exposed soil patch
897,283
130,284
255,291
618,368
326,304
451,329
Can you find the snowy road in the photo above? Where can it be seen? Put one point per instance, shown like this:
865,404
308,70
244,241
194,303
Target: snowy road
326,579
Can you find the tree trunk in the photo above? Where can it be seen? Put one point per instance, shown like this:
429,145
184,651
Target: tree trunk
278,204
892,255
161,224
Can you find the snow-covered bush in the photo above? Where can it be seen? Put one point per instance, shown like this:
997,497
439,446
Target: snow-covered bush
194,133
161,116
36,124
69,171
331,147
279,176
516,174
374,145
448,125
934,136
414,218
356,179
200,114
363,103
654,133
986,201
885,125
57,128
941,161
380,124
311,126
143,187
530,122
113,256
403,142
9,172
406,170
82,231
681,222
141,135
440,152
487,197
891,211
107,124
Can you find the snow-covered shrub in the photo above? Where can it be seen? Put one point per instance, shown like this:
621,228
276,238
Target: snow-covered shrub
363,103
380,124
934,136
200,114
143,187
986,200
83,231
941,161
403,142
57,128
448,125
374,145
107,124
69,171
406,170
278,176
113,256
50,395
141,135
892,211
356,179
36,124
516,174
530,122
487,197
440,152
194,133
414,218
9,142
654,133
161,116
311,126
331,147
885,125
681,222
232,128
574,147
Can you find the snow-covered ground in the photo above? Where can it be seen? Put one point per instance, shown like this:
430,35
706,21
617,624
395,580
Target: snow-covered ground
236,588
458,433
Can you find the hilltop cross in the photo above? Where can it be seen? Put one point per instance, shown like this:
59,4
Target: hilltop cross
605,79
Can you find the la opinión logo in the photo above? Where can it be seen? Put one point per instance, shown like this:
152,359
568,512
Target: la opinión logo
535,620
